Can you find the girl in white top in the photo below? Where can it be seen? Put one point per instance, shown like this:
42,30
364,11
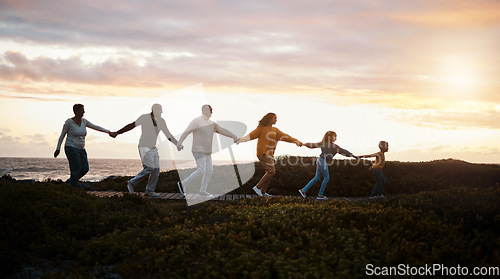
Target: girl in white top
75,129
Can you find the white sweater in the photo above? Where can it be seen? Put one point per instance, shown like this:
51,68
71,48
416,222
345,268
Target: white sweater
76,133
203,130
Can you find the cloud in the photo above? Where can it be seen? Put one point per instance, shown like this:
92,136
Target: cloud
381,52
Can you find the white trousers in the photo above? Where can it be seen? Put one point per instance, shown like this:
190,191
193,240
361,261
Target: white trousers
204,168
151,162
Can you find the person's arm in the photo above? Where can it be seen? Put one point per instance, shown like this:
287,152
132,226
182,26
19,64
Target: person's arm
313,145
126,128
95,127
225,132
368,156
190,128
251,136
64,132
285,137
344,152
167,133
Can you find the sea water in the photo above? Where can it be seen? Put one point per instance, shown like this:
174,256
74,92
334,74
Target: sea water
41,169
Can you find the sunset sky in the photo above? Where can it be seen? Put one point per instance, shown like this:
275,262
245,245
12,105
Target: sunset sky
422,75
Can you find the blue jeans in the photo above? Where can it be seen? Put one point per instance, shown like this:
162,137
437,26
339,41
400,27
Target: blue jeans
321,170
78,164
380,182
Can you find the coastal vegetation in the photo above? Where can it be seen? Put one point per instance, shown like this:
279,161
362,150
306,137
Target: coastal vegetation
442,212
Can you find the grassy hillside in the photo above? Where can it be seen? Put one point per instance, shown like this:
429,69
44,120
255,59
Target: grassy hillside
63,232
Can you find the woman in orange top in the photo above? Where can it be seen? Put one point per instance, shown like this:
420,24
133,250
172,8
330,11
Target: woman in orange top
266,145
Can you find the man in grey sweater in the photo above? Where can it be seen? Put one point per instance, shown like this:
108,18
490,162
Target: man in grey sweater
203,130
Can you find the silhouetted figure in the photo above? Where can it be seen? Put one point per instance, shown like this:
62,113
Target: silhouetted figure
76,130
266,145
203,130
151,125
376,168
328,150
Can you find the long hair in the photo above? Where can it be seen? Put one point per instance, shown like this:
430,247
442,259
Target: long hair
266,120
329,137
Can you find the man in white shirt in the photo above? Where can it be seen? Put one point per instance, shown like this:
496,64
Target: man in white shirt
151,125
203,130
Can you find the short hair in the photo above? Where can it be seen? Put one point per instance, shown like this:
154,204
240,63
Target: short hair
266,120
155,107
383,144
77,107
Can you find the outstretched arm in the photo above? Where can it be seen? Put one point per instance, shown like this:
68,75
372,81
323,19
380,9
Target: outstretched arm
368,156
285,137
126,128
313,145
167,133
190,128
253,135
225,132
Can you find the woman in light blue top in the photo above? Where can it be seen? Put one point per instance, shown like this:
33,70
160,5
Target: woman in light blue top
328,150
76,130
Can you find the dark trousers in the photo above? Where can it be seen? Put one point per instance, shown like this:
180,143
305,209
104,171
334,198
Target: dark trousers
78,164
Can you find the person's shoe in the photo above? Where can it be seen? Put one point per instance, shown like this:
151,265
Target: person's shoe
381,196
321,197
152,194
179,184
205,195
267,195
130,187
86,187
257,191
302,193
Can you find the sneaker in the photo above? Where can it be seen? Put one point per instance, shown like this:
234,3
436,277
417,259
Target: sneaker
86,187
267,195
302,193
130,187
257,191
321,197
179,184
205,195
152,194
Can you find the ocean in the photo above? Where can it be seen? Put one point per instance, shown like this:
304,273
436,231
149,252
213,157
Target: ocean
41,169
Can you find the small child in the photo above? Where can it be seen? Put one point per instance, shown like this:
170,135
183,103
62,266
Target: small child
377,167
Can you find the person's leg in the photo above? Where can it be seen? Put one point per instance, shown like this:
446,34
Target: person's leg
383,182
326,177
315,179
376,187
209,169
84,163
74,165
268,164
200,169
147,164
154,157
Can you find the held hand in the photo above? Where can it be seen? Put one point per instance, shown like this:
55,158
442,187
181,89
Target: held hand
56,153
299,144
180,147
238,141
113,134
